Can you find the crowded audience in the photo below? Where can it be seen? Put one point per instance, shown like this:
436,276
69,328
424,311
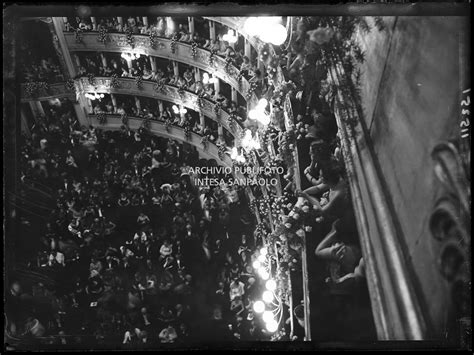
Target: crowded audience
141,256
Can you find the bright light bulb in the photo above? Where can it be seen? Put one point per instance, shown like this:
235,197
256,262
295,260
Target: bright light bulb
259,307
261,258
272,326
267,296
253,114
175,109
183,111
234,154
251,26
263,274
267,316
264,119
264,251
256,264
278,34
262,103
271,285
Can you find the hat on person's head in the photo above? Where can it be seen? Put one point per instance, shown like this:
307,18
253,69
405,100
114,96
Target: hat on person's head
165,186
175,172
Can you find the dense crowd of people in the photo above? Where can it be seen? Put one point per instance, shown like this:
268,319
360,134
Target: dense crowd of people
142,255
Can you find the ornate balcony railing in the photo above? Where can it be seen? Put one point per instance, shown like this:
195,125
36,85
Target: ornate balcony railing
127,86
163,48
208,150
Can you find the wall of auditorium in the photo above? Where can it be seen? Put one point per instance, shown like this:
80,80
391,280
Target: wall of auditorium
407,114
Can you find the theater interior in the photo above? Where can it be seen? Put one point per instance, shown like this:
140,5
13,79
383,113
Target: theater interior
181,181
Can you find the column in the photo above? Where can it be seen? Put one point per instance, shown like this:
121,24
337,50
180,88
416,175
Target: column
202,120
65,20
58,25
260,65
36,108
120,21
220,132
90,109
114,101
234,95
24,123
81,115
169,26
217,85
160,106
94,24
181,114
77,60
197,74
129,63
191,25
137,103
152,64
175,68
234,33
104,60
247,50
145,20
212,30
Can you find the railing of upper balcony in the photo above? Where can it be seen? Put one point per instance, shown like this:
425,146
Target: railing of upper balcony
164,48
208,149
125,86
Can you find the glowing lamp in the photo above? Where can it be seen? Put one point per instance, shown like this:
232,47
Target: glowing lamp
267,316
262,103
259,307
251,26
271,326
263,274
263,119
264,251
261,258
267,296
271,285
256,264
278,35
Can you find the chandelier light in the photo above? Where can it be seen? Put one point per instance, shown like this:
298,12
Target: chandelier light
230,37
259,307
268,28
271,326
263,273
248,142
238,157
267,296
130,56
264,251
261,258
256,265
94,96
271,285
267,316
206,79
259,114
177,110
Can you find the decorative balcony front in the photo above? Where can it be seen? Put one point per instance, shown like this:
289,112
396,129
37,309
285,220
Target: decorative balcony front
163,48
126,86
207,149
